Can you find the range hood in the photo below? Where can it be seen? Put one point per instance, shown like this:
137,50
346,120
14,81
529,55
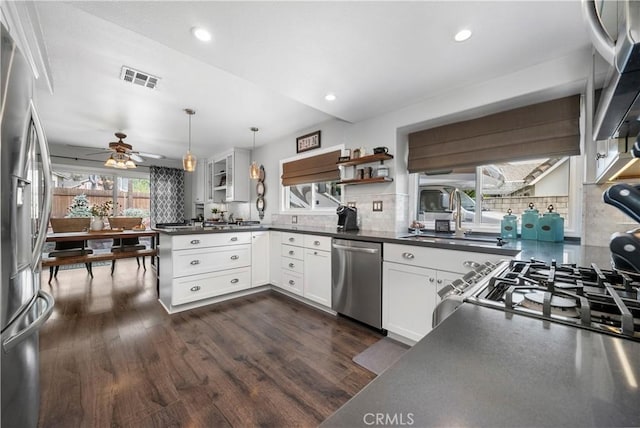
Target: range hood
617,112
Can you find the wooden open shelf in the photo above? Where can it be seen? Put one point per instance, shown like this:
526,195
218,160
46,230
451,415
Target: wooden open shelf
366,159
366,180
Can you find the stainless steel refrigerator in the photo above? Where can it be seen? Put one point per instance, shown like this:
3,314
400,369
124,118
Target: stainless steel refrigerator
25,206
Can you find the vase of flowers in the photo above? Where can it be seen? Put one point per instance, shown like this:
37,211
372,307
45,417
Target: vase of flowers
99,212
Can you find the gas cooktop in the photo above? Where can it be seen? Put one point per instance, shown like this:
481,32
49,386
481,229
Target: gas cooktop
597,299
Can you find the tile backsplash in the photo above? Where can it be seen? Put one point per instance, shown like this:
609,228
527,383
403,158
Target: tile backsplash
390,219
601,220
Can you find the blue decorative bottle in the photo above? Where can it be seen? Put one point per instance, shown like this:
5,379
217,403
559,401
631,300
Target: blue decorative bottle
509,226
551,226
530,223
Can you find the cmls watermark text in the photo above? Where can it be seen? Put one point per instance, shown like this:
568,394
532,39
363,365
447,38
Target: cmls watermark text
384,419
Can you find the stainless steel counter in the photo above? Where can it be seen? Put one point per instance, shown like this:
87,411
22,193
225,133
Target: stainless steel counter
486,368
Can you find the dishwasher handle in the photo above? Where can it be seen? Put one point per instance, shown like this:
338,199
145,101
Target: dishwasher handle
355,249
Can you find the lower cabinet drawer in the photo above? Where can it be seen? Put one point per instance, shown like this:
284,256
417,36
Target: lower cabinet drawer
193,262
292,264
198,287
292,281
293,252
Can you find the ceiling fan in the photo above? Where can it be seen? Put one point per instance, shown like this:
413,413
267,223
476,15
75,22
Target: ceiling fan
121,151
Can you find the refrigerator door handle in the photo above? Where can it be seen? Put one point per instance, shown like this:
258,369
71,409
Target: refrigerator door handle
48,186
14,340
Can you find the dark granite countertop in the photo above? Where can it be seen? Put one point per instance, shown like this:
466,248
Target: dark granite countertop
487,368
563,252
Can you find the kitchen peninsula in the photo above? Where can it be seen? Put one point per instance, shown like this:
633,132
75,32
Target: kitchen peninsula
192,257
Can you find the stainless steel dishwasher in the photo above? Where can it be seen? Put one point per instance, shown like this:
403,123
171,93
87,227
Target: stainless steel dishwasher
356,280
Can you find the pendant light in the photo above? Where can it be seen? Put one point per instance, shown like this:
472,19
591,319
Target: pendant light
189,161
254,171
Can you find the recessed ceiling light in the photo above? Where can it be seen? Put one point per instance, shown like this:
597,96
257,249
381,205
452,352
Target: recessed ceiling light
330,97
462,35
201,34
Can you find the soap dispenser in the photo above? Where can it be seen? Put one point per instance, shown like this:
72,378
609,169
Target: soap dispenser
509,226
530,223
551,226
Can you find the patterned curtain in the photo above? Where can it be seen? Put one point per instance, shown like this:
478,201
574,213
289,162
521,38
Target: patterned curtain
167,195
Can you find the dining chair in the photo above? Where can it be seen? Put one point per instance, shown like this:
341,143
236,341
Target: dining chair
126,244
69,248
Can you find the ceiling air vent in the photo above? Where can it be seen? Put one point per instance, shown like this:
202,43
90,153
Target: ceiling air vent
137,77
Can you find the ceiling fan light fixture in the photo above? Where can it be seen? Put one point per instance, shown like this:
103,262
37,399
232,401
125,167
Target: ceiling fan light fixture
111,162
189,161
130,164
254,170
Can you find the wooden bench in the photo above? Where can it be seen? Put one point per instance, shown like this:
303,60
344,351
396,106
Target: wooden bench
99,256
96,257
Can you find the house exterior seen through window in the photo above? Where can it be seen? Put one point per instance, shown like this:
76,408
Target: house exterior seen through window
489,191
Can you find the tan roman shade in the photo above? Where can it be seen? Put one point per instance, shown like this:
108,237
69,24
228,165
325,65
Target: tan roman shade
312,169
549,129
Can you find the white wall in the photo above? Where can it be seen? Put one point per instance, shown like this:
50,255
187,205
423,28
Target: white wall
540,83
555,183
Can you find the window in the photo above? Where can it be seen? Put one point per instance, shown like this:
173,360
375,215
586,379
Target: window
312,196
489,191
131,193
309,182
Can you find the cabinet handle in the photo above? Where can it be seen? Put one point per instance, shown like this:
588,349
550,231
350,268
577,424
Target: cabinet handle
430,279
600,156
195,262
316,242
234,257
235,280
292,239
195,288
315,253
291,252
439,281
291,265
234,238
195,241
408,256
292,282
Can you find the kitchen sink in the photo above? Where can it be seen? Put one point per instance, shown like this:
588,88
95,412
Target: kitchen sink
452,239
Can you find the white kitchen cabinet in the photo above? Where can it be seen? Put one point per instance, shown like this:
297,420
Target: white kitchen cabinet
196,268
317,276
230,177
408,299
259,258
275,245
305,265
411,278
199,182
208,180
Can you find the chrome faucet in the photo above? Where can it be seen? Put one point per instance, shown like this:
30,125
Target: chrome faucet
457,200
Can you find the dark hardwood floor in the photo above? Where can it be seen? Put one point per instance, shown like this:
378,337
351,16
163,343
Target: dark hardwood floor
111,356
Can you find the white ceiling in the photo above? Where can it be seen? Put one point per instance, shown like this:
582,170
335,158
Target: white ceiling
271,63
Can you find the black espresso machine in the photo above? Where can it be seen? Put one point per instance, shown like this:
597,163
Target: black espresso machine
347,218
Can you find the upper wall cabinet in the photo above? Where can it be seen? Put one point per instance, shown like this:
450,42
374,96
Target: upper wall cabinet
229,177
615,161
199,182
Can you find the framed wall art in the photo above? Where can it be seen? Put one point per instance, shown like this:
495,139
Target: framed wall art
308,142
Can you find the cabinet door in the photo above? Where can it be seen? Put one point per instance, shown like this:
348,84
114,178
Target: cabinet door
408,299
274,257
209,181
317,276
259,258
229,196
199,181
